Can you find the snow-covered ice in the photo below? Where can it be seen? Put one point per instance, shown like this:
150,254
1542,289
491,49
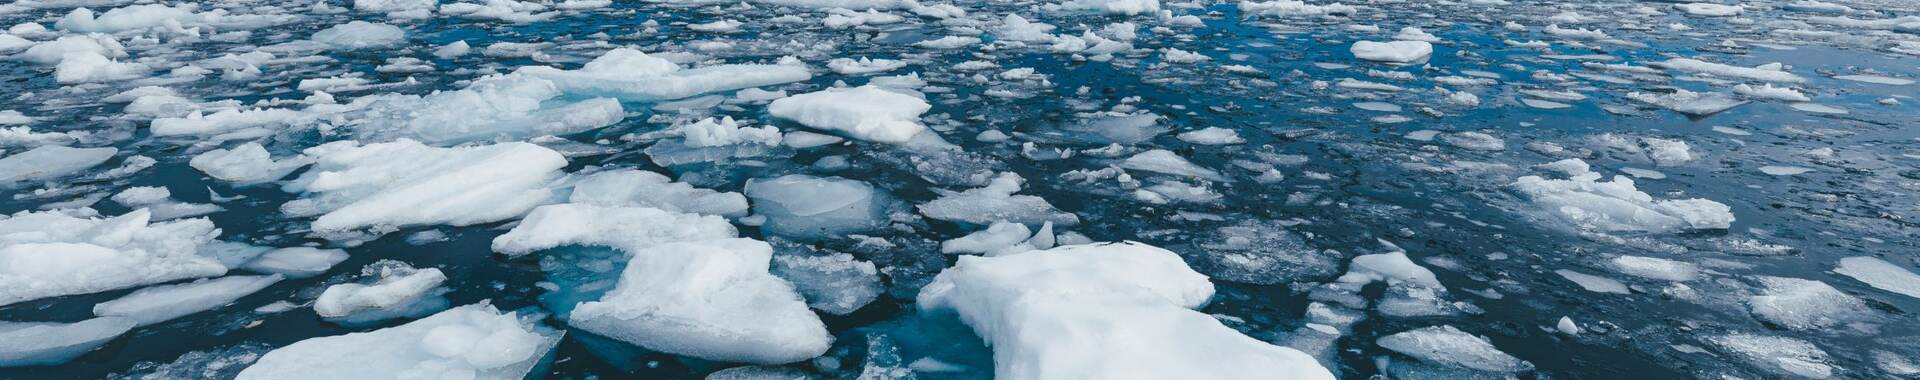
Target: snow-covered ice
469,342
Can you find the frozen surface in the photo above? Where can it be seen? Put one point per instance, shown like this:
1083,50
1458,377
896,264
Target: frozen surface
164,302
41,343
1048,314
405,183
865,112
710,299
474,342
49,254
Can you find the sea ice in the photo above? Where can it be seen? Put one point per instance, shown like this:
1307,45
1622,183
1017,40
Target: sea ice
1881,274
1168,162
1050,314
165,302
296,262
866,112
469,342
634,76
1618,205
405,183
38,343
246,164
1799,304
1448,346
50,254
50,162
996,202
1392,52
626,228
805,206
355,35
398,290
628,187
711,299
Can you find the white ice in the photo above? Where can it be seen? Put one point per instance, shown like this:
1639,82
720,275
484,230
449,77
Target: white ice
1618,205
1881,274
50,162
405,183
996,202
165,302
40,343
867,113
711,299
469,342
1392,52
50,254
397,289
800,205
1448,346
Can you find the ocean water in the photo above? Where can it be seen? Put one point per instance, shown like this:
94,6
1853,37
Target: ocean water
1353,179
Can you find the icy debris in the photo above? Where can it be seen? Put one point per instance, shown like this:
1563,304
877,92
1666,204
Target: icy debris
835,283
1772,72
1768,91
1594,283
996,202
355,35
628,187
1617,205
246,164
999,239
1776,354
811,207
629,228
149,16
503,10
1567,327
634,76
159,201
1880,274
1016,28
1689,102
52,52
1776,170
228,121
50,254
85,67
50,162
864,65
1449,347
469,342
1666,152
496,107
1294,8
847,18
1043,312
1262,252
1415,34
1212,136
406,183
1710,9
398,290
1876,79
1474,141
1799,304
1655,268
296,262
165,302
391,6
38,343
1391,267
1167,162
1114,7
949,42
866,112
1392,52
708,299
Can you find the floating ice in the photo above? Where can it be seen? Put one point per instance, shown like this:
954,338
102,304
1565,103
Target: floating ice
627,187
708,299
1655,268
1392,52
1167,162
814,207
1710,9
497,107
631,75
1776,354
866,112
627,228
50,254
405,183
1804,304
165,302
469,342
1594,283
1618,205
1689,102
1294,8
1448,346
50,162
355,35
1876,79
1772,72
1880,274
398,290
296,262
1048,314
864,65
159,201
833,283
33,343
246,164
996,202
1116,7
1212,136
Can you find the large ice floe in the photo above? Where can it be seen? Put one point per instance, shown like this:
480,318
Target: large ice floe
468,342
866,112
1110,311
50,254
1617,205
354,186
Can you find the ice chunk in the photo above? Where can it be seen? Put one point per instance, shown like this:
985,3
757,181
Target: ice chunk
1168,162
398,290
864,65
1391,267
634,76
1880,274
1594,283
833,283
1804,304
710,140
1768,91
296,262
49,254
503,10
159,201
390,6
1772,72
999,239
165,302
1710,9
1776,354
1401,52
1450,347
496,107
406,183
1051,314
1265,252
708,299
1294,8
817,207
1619,206
1212,136
52,52
626,228
33,343
1114,7
996,202
1688,102
866,112
1474,141
1655,268
469,342
87,67
628,187
1016,28
246,164
50,162
356,35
